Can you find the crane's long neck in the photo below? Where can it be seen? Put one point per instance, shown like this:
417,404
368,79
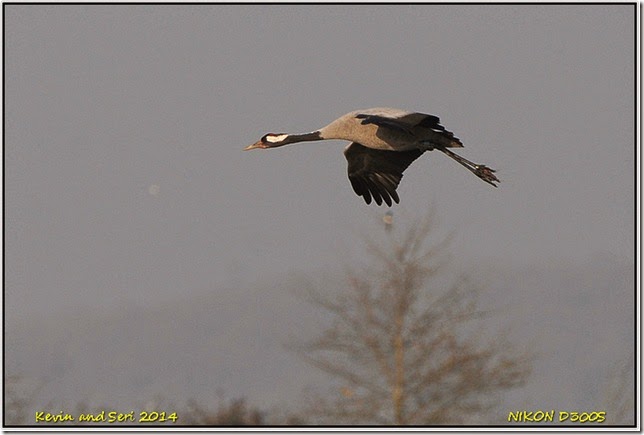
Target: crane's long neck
304,137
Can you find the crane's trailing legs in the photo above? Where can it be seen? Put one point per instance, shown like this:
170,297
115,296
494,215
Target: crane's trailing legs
483,172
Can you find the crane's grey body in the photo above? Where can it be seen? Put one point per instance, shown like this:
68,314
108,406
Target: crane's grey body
384,142
412,134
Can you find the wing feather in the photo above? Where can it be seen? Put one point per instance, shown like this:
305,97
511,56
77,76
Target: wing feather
377,173
383,121
373,189
407,122
360,189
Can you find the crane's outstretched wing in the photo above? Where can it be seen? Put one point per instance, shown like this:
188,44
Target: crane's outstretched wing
383,121
377,173
406,122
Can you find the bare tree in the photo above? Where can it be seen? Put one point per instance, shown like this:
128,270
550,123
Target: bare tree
405,349
234,413
19,397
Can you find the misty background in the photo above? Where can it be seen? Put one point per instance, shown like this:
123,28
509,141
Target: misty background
147,256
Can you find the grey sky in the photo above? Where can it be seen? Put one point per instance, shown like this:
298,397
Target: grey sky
103,102
125,180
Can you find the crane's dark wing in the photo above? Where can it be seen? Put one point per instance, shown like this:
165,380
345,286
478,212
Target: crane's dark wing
383,121
408,122
404,122
377,173
422,120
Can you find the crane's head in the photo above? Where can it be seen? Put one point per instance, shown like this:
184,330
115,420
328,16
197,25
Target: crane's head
270,140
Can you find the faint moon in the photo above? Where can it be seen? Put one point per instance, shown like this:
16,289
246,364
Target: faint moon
154,189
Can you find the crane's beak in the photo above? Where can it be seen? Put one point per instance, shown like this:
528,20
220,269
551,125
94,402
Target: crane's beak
258,144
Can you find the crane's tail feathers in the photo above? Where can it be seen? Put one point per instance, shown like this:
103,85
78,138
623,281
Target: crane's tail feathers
483,172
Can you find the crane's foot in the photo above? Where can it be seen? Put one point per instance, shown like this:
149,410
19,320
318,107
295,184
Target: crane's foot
486,174
483,172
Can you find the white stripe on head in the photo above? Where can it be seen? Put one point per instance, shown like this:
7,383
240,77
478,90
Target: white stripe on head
274,138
